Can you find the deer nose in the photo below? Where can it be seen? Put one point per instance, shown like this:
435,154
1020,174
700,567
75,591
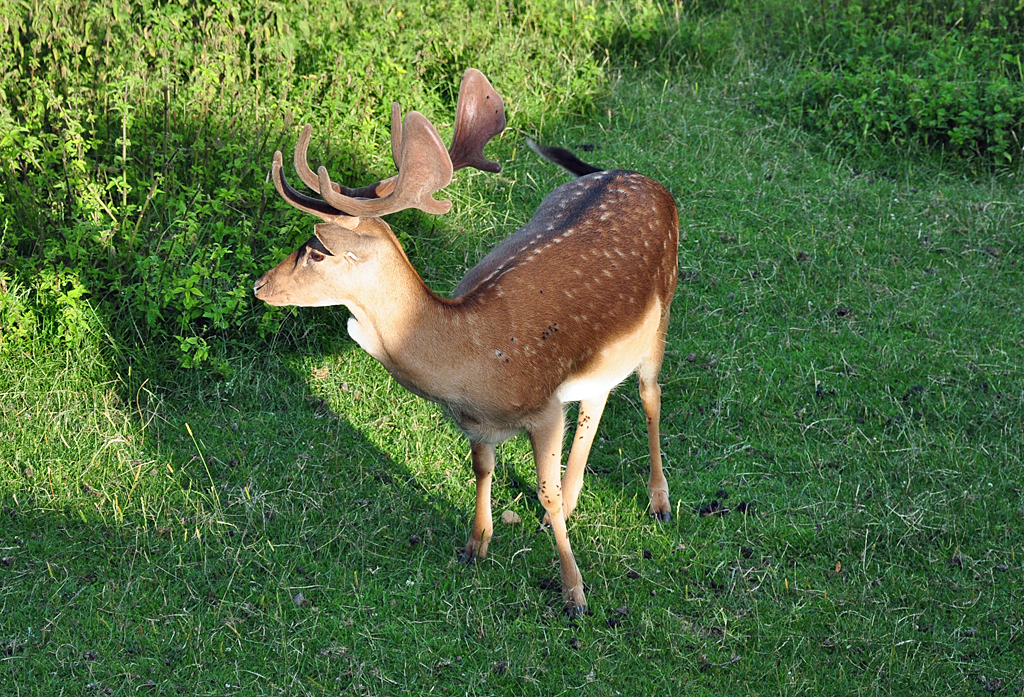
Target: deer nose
260,283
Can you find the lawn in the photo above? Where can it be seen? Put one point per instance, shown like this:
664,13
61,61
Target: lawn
843,433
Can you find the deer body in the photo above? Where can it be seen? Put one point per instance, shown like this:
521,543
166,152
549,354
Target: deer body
562,310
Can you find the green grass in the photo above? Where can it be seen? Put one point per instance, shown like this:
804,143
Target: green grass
845,356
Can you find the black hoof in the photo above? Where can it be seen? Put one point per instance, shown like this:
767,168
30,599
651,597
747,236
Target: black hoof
467,560
574,613
663,516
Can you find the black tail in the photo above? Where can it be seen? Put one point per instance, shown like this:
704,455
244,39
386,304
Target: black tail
564,159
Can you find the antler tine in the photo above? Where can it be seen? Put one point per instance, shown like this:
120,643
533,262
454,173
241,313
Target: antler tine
424,167
396,134
479,116
309,178
308,204
301,167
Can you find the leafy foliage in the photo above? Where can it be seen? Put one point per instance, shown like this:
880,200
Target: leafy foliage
942,74
134,137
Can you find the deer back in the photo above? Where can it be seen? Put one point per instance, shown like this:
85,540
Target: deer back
597,255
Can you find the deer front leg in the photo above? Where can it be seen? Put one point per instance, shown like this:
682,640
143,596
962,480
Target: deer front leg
483,527
546,439
586,429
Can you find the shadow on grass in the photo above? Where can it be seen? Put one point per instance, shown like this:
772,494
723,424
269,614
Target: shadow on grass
267,520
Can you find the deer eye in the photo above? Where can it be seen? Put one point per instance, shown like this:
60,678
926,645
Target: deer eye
315,255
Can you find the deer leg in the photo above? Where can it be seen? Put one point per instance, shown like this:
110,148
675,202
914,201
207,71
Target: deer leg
586,429
483,527
650,395
546,439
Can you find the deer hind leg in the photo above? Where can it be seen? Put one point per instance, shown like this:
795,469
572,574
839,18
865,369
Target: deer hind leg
546,439
650,395
483,527
586,429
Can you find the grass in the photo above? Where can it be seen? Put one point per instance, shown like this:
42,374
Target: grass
844,357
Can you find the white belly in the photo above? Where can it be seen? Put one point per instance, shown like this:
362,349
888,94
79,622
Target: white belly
613,362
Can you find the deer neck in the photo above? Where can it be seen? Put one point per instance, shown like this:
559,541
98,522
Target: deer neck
410,330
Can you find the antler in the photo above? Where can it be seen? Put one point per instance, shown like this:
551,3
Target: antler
479,116
310,179
424,166
307,204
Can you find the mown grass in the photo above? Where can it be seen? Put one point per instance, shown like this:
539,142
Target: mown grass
844,358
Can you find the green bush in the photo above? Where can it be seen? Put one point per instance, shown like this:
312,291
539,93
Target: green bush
942,74
135,137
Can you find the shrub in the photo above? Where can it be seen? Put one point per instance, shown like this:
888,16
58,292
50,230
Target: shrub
135,137
942,74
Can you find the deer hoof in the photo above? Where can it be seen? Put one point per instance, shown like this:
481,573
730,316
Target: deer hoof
575,612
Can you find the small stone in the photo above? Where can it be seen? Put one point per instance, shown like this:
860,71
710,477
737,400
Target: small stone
300,600
511,518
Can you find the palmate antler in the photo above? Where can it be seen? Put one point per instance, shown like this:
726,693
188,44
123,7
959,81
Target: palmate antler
424,166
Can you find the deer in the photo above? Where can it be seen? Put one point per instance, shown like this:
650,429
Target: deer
563,310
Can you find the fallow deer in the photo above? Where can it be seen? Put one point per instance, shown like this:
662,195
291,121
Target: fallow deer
563,310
